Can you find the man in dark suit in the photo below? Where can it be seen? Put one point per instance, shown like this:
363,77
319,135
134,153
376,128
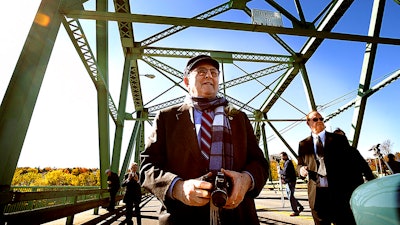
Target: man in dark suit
179,165
133,194
326,163
359,170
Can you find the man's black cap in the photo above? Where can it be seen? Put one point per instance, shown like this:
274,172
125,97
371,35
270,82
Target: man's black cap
193,62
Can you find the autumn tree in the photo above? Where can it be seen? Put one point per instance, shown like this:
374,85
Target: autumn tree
386,147
59,178
27,177
56,177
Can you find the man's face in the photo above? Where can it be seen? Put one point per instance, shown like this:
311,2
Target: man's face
315,122
201,83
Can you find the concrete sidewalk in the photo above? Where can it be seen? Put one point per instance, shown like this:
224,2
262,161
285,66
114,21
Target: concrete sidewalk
273,205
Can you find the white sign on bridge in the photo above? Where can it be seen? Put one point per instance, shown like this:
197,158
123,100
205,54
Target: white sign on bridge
265,17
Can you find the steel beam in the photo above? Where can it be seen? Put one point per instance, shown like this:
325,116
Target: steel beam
366,73
315,33
103,95
20,98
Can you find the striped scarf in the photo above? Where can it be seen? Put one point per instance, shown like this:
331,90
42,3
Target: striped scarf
221,153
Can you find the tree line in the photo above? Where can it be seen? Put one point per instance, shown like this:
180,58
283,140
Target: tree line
78,176
26,176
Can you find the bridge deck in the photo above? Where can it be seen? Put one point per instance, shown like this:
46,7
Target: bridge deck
270,207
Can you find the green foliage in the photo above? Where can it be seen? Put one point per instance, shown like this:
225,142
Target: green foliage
56,177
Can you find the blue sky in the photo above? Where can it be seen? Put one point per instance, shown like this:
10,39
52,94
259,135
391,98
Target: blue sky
63,129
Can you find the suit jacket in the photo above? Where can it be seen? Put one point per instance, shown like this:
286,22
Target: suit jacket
288,172
338,162
113,183
172,151
360,168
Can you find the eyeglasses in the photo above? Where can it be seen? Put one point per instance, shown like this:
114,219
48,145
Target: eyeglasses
202,72
315,119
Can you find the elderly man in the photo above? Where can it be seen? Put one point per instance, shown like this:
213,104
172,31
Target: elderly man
194,142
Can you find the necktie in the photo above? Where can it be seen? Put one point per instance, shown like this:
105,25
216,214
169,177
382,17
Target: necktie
320,147
205,143
320,153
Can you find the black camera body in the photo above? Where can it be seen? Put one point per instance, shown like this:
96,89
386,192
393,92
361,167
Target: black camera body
377,151
221,189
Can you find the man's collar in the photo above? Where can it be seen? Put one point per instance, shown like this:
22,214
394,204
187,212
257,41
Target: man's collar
321,134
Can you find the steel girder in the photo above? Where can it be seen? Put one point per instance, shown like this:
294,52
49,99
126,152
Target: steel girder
20,98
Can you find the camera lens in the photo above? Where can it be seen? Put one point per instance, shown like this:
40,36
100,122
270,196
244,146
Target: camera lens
219,197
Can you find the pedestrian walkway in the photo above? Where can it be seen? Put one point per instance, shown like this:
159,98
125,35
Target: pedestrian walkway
272,208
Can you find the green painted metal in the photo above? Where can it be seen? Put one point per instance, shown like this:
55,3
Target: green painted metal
48,203
102,94
140,139
265,143
283,83
81,44
307,88
20,98
320,34
121,112
129,150
104,139
49,196
366,72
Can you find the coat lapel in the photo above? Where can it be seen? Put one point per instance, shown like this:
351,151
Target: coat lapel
192,146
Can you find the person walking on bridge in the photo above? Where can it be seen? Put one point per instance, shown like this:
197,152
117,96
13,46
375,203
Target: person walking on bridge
113,188
133,194
288,177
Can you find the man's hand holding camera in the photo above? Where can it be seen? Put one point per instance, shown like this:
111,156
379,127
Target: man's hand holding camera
197,192
193,192
241,183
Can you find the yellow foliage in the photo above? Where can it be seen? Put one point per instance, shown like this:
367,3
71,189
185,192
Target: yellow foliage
56,177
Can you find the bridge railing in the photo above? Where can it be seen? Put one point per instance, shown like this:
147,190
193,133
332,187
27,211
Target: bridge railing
36,205
25,198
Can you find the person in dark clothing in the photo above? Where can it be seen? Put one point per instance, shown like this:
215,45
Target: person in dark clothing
194,142
113,188
359,169
324,158
133,194
288,177
394,165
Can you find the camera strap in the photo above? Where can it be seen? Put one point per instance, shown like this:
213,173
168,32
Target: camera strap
214,214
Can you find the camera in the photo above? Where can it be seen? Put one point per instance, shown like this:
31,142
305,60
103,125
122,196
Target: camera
221,189
377,151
